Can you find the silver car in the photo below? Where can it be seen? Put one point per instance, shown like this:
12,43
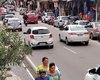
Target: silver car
60,21
94,29
14,24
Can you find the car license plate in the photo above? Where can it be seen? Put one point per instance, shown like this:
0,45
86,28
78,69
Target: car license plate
80,34
42,44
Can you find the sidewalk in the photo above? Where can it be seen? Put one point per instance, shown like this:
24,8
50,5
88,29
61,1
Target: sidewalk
13,77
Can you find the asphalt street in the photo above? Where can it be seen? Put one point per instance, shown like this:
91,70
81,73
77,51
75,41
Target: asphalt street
73,60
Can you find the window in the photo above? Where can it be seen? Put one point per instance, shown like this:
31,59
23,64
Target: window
76,28
41,31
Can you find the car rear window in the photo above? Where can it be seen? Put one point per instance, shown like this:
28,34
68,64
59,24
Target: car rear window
64,18
50,14
9,16
41,31
77,28
84,23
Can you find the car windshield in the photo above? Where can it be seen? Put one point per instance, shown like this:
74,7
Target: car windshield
50,14
76,28
14,20
41,31
97,24
30,15
64,18
9,16
84,23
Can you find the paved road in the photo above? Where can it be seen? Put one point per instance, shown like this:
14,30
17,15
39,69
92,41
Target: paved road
73,60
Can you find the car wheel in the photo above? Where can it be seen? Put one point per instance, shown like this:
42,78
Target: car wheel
36,22
86,43
99,38
91,36
51,46
60,38
66,41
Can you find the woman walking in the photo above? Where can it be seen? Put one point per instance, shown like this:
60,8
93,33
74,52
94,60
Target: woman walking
53,74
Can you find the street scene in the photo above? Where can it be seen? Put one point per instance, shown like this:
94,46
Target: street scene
50,39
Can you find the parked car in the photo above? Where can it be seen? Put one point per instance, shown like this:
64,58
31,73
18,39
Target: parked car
22,11
60,20
32,18
46,16
74,33
94,29
6,17
93,74
14,24
38,36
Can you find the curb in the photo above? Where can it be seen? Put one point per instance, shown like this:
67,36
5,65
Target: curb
31,63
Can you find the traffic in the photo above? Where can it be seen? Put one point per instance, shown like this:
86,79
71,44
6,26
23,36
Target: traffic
38,30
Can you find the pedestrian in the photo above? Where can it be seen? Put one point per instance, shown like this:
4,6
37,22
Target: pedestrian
45,66
42,75
53,74
25,17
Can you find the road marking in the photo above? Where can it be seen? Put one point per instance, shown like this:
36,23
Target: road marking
28,71
70,50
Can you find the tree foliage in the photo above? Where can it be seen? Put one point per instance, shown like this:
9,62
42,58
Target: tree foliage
12,50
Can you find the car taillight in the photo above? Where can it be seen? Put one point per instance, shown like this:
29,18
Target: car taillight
32,36
50,36
86,33
96,30
72,33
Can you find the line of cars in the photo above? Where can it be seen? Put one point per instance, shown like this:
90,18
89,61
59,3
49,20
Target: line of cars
32,16
9,20
61,21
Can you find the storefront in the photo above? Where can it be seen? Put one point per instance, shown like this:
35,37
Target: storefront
98,10
46,5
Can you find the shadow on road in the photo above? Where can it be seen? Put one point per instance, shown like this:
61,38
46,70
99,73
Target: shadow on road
41,48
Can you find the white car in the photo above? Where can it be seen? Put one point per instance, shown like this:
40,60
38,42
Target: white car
38,36
81,22
6,17
60,21
74,33
14,24
93,74
94,29
46,16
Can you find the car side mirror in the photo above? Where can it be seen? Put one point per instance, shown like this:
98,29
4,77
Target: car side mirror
92,71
